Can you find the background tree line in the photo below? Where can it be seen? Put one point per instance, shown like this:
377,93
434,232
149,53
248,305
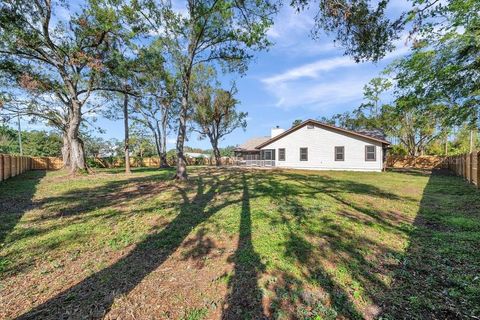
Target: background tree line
156,67
41,143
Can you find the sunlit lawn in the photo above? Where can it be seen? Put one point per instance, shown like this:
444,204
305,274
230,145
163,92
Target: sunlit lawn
239,244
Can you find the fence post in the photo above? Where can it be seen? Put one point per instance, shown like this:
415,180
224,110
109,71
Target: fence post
478,168
7,167
465,172
474,156
13,165
1,167
470,169
468,166
459,165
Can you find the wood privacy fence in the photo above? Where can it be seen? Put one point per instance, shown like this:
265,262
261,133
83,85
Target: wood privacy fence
47,163
11,166
419,162
466,166
155,162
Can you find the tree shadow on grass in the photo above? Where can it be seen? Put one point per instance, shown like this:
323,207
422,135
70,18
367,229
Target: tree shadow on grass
438,276
114,193
245,298
295,295
94,296
336,276
135,170
315,289
16,198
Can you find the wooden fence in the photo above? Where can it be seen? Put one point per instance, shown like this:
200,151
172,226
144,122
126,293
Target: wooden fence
11,166
466,166
420,162
153,162
47,163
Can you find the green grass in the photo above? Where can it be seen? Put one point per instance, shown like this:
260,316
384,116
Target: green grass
239,245
196,314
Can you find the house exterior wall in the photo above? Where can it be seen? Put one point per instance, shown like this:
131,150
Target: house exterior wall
321,143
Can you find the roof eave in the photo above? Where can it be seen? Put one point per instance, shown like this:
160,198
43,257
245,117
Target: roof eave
283,134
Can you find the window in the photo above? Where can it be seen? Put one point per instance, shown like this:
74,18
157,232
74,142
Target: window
303,154
267,155
339,153
281,154
370,154
310,126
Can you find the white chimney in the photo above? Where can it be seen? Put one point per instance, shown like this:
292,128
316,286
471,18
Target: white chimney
276,131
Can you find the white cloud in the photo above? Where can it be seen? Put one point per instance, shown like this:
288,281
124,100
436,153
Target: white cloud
180,7
291,34
311,70
288,23
318,95
325,83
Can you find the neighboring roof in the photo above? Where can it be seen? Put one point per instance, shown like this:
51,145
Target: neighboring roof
250,145
196,155
373,135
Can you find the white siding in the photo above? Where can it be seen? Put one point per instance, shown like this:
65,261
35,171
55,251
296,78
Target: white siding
321,143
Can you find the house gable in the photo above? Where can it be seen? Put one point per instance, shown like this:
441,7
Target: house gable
316,123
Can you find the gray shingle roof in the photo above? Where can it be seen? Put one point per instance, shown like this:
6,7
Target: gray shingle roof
374,133
250,144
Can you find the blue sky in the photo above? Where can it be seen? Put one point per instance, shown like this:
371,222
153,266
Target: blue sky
298,78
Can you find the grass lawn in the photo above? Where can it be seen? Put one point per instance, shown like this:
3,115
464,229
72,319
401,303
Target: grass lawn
237,244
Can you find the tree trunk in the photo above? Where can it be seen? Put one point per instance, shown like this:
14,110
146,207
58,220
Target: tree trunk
181,173
77,153
66,150
218,157
163,160
216,152
125,122
163,140
157,145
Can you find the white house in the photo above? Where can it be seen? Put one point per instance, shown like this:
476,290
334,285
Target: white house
318,146
196,155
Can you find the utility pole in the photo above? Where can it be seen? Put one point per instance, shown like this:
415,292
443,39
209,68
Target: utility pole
125,123
19,134
471,140
446,145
